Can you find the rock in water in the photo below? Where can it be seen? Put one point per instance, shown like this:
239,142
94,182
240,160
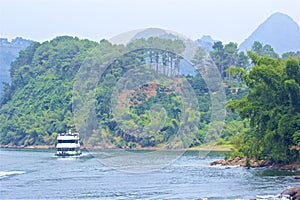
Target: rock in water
293,192
240,161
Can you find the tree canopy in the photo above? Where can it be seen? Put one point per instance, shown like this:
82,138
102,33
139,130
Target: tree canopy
38,103
272,108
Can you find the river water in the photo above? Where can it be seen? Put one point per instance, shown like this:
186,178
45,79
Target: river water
37,174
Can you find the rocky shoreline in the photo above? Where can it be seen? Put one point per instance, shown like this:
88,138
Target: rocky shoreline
244,162
238,161
292,193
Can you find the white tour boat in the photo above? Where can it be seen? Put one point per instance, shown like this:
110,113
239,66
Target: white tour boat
68,144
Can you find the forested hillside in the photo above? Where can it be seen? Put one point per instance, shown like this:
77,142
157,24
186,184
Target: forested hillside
38,103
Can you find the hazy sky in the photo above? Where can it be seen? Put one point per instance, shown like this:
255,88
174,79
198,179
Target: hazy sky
226,20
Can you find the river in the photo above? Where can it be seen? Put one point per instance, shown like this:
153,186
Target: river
37,174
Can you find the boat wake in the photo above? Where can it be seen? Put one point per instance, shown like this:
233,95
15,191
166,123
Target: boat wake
272,197
83,155
5,174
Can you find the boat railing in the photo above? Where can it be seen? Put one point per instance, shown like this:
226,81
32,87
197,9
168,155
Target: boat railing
69,134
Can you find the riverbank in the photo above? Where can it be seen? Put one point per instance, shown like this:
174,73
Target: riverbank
198,148
10,146
243,162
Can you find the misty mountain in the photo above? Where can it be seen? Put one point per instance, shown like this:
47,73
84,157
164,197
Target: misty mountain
279,30
154,32
206,42
146,33
9,51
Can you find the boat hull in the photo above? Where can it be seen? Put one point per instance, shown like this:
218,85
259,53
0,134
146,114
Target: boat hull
67,154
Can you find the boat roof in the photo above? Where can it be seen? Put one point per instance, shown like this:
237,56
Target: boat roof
67,137
68,134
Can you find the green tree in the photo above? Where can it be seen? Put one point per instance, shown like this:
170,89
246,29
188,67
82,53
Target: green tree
242,60
269,51
217,55
257,47
272,108
294,55
231,54
263,50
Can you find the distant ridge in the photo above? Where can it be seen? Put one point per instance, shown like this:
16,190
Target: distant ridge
154,32
206,42
146,33
9,51
279,30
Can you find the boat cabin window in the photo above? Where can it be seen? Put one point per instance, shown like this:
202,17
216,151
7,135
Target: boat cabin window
66,149
67,141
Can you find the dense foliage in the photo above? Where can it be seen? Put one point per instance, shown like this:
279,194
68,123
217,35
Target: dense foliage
38,103
225,56
272,109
